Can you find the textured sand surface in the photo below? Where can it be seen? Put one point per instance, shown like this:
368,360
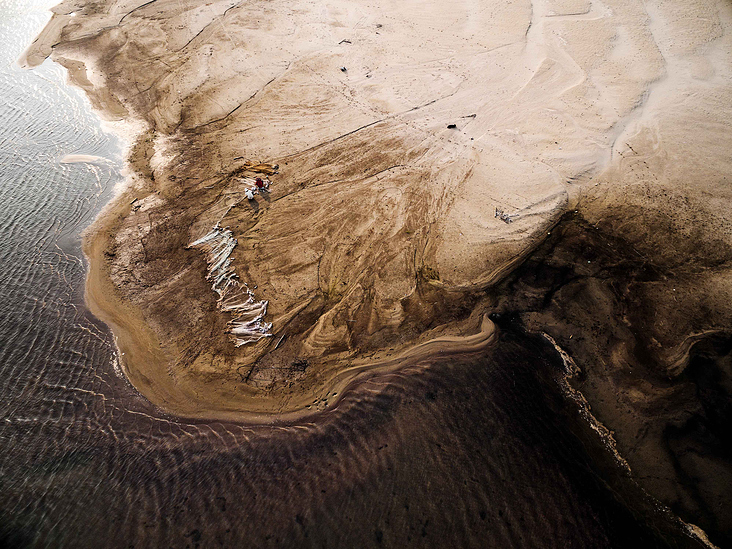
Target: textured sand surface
565,162
380,229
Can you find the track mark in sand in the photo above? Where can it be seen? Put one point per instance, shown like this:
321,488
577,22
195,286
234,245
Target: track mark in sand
141,6
184,46
384,119
322,144
238,4
571,15
362,177
243,103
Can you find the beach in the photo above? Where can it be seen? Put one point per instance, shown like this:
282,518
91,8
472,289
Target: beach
381,223
419,157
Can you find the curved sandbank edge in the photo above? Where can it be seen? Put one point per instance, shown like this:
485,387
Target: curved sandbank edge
145,363
143,359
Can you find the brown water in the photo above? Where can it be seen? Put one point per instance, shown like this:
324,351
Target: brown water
484,451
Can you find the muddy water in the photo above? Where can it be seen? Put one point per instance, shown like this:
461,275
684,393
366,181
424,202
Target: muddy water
483,451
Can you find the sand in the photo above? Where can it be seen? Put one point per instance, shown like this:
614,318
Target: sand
83,159
398,129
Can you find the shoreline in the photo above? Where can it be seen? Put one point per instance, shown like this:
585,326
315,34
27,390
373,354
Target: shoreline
134,340
378,246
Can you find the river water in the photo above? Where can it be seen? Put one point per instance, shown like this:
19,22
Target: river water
483,451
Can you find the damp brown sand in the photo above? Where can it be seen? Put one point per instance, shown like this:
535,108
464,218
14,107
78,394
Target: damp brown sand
138,345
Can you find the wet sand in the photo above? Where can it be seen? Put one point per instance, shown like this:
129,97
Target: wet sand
139,345
587,287
381,224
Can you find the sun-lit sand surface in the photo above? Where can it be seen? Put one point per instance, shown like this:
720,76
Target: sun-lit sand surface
423,150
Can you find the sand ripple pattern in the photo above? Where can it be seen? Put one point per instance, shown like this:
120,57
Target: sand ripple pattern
235,297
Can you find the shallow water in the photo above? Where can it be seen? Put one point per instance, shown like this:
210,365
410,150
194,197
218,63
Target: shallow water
481,451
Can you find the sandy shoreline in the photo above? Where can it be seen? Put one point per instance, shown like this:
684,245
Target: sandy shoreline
381,230
139,346
430,160
354,256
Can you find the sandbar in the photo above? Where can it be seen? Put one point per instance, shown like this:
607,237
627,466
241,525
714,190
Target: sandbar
422,152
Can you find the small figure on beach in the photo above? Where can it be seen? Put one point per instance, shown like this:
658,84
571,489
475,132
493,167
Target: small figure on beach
259,183
249,194
503,216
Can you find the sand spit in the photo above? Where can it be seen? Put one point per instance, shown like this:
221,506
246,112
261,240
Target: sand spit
428,155
83,159
399,131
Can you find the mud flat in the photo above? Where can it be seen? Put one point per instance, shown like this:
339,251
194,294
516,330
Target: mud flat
423,153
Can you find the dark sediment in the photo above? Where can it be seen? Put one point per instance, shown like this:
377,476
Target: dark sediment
666,400
478,451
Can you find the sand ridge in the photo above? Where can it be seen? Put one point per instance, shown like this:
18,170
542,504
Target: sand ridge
398,131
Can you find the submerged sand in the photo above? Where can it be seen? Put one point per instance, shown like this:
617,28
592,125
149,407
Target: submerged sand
423,151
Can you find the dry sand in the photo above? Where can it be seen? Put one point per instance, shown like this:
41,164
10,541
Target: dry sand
380,230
